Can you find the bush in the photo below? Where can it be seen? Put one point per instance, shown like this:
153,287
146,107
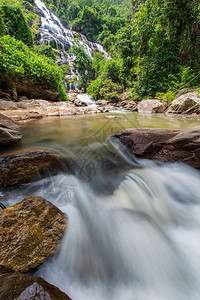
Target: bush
110,90
2,27
168,96
94,88
47,51
17,60
16,24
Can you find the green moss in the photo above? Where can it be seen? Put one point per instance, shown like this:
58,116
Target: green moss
16,24
17,60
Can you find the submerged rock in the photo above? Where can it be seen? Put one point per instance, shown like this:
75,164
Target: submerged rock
10,131
185,104
151,106
31,231
165,145
29,166
24,287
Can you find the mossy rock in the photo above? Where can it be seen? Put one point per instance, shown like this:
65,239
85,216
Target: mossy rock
31,231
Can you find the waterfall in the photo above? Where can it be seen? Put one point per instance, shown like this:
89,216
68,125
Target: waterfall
52,31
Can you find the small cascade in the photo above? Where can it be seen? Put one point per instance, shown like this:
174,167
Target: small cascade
88,100
52,32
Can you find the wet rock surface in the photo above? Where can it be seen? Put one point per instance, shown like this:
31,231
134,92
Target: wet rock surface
29,166
28,110
24,287
185,104
165,145
10,131
30,232
151,106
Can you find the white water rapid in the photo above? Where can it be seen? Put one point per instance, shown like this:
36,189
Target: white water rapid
134,226
88,100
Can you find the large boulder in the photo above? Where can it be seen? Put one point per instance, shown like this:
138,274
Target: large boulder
185,104
10,131
24,287
150,106
30,231
165,145
29,166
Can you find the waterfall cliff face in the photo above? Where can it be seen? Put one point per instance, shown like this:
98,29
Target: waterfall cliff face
52,32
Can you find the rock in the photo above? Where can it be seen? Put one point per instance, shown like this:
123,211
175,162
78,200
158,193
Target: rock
78,102
150,106
185,104
28,110
165,145
126,96
29,166
130,105
10,131
25,287
4,270
5,104
31,231
26,87
22,98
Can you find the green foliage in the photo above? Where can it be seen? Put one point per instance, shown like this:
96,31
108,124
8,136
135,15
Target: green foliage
2,26
167,97
96,19
16,24
17,60
110,90
66,69
160,46
98,62
94,88
46,50
83,65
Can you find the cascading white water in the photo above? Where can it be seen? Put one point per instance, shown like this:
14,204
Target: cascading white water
88,100
124,246
51,29
133,231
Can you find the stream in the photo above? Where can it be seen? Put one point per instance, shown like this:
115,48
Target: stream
134,225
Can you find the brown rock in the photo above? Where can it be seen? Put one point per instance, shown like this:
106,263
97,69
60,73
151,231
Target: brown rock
4,270
29,166
78,102
130,105
185,104
10,132
165,145
150,106
24,287
26,87
30,231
